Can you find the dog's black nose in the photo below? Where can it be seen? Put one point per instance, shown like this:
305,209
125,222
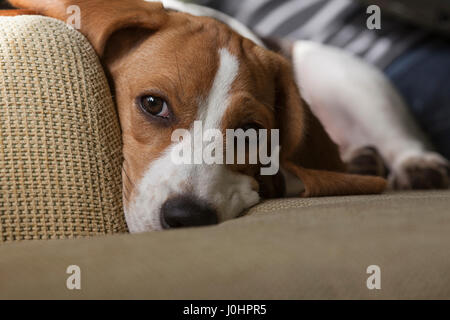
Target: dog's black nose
186,211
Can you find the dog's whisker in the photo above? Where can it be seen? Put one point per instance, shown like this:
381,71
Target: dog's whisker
128,177
127,185
126,190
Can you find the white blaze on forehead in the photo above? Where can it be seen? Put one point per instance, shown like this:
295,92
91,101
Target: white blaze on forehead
230,193
218,100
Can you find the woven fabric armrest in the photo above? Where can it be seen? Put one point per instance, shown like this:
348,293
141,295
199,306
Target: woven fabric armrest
60,141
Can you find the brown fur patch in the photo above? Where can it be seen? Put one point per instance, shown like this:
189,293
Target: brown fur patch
13,13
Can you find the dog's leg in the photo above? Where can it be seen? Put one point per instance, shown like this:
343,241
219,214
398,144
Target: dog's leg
359,107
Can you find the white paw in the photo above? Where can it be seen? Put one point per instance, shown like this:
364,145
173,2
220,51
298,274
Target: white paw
420,170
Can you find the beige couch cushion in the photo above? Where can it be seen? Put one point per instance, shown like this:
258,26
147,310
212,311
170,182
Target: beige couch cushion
285,249
60,145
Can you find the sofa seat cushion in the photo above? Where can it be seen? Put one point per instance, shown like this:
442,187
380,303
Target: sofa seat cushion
284,249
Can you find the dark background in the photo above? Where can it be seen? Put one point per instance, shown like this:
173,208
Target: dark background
431,14
4,5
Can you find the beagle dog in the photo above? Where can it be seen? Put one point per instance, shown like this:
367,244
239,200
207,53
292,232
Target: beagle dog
172,64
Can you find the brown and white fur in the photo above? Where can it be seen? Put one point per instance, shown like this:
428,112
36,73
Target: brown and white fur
220,73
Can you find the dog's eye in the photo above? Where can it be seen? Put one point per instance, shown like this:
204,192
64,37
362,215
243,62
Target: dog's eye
253,125
154,106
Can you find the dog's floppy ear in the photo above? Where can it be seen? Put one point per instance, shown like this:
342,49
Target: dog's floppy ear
99,19
307,151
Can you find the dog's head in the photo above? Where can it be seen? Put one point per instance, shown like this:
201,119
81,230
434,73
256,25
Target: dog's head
170,69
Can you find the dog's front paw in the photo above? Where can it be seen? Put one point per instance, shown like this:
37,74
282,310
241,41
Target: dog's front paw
427,170
367,161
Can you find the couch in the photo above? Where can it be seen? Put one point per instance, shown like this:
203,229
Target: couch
61,205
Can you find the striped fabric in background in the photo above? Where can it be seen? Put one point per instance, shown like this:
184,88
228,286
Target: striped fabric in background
340,23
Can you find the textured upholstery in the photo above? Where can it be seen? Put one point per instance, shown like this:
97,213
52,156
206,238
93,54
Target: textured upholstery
287,249
60,143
